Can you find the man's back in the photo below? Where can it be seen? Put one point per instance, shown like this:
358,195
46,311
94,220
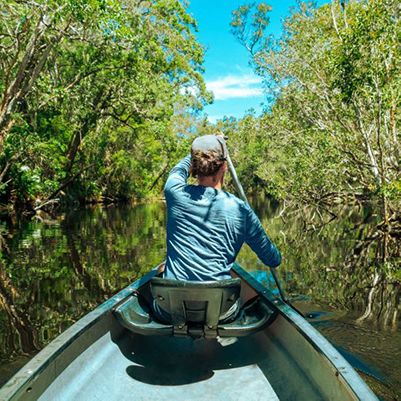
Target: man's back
206,228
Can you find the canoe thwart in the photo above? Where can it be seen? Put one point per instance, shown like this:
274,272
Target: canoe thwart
194,309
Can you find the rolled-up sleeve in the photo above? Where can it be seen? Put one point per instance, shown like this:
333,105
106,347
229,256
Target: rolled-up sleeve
260,243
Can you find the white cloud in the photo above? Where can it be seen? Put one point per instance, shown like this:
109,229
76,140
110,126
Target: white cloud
235,86
214,118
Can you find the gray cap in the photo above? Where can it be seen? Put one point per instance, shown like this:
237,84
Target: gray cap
207,143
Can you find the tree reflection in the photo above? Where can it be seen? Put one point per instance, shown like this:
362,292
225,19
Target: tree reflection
350,263
54,271
17,319
383,298
345,274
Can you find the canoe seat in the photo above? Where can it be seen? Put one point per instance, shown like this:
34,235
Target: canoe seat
193,309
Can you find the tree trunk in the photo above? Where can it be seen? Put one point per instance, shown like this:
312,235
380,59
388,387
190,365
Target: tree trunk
90,121
19,319
28,71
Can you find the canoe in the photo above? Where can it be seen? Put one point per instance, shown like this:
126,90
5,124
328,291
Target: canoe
276,355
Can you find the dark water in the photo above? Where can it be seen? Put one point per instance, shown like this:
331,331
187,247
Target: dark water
345,275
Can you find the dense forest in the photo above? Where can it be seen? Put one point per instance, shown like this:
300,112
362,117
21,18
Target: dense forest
92,93
99,99
332,132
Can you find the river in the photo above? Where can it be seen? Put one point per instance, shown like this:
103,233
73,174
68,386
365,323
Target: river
344,274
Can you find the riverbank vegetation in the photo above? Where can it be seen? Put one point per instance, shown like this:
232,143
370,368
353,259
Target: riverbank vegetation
99,100
90,92
334,80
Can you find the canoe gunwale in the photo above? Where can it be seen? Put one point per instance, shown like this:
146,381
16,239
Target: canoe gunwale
341,367
49,353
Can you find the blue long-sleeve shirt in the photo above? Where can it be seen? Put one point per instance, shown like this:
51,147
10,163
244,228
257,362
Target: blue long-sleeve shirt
206,228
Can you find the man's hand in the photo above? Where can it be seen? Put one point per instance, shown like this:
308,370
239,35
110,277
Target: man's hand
161,267
222,137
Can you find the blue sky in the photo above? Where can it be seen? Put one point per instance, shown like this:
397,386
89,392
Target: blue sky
227,73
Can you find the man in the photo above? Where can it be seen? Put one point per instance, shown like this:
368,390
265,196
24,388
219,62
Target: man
207,226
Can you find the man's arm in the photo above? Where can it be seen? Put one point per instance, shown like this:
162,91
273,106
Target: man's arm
260,243
178,175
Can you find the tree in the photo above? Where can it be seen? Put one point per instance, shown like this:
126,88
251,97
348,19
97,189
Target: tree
334,78
89,89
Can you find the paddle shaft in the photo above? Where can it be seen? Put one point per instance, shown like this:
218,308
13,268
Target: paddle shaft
242,195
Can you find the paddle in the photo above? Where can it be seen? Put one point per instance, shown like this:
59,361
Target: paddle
242,195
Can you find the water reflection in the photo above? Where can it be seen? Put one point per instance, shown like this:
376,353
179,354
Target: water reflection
54,271
349,267
352,263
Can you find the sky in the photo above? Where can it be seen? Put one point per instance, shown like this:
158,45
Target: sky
227,72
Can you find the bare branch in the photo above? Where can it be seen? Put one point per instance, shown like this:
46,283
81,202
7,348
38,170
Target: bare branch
334,19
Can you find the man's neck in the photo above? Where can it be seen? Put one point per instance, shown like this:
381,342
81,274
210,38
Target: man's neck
210,182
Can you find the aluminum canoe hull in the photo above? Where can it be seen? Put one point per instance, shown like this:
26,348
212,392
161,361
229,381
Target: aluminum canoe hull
97,359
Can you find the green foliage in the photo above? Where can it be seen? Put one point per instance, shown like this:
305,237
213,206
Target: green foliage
334,81
249,23
91,117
